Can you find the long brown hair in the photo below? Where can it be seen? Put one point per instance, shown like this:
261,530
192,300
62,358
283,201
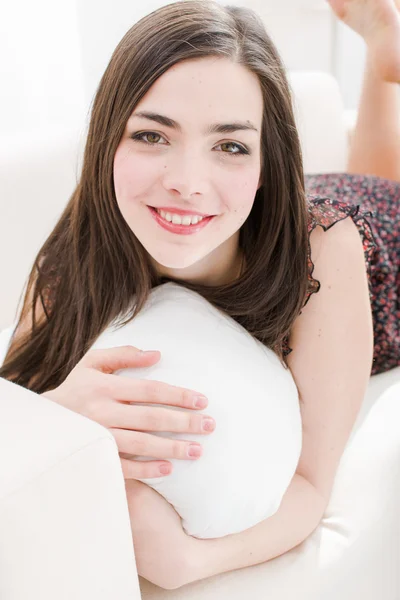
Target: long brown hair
92,269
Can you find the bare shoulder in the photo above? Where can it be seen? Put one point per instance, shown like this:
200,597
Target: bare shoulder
339,238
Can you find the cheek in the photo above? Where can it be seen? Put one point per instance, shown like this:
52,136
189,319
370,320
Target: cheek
239,194
132,176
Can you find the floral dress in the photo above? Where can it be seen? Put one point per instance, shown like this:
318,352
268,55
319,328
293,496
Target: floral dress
374,205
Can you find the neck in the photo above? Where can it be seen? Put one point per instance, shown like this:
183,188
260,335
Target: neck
217,268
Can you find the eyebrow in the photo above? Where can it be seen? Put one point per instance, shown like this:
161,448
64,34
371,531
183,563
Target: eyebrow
214,128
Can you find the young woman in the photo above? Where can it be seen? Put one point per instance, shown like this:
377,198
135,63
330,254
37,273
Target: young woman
193,117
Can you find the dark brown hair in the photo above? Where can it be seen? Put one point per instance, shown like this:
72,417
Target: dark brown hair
92,269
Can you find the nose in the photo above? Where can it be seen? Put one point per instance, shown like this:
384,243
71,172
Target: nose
186,175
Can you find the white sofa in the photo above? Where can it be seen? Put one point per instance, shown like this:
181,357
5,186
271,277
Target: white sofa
64,523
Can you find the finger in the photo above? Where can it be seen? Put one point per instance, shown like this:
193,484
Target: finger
146,418
129,389
134,469
122,357
145,444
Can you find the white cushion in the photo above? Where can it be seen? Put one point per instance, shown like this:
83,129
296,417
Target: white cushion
251,457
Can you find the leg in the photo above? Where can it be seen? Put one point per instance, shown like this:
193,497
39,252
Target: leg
378,23
375,145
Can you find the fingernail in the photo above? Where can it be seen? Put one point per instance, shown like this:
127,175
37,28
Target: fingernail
148,351
165,469
194,450
208,424
200,401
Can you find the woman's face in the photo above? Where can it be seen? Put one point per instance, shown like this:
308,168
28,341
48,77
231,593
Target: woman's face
196,152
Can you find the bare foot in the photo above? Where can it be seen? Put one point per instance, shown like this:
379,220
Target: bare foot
378,22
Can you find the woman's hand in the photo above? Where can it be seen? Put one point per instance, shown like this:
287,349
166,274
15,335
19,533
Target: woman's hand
165,554
93,391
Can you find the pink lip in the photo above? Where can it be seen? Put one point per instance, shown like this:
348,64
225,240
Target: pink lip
179,211
180,229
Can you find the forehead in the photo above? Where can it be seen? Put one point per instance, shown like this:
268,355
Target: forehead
204,90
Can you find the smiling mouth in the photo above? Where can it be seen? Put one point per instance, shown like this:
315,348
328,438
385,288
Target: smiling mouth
180,212
183,226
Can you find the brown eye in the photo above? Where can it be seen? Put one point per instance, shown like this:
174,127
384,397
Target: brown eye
152,138
239,149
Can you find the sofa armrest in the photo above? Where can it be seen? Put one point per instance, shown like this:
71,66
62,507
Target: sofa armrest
64,519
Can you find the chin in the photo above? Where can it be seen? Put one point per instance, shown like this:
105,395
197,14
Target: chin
177,267
179,259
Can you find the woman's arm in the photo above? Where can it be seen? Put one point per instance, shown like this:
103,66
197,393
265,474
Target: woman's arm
300,512
332,342
168,557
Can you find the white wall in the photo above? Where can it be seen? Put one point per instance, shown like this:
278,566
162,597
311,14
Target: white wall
40,66
302,30
42,107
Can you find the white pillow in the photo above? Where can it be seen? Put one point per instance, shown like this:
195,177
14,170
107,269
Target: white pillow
252,455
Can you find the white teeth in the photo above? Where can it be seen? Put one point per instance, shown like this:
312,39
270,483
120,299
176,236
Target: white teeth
177,220
180,219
